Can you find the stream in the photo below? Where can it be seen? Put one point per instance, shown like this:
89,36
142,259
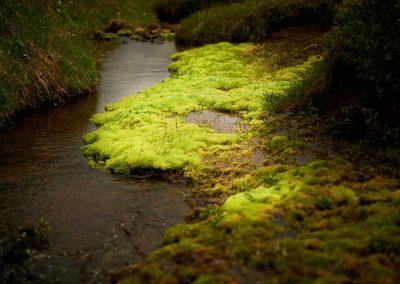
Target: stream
98,221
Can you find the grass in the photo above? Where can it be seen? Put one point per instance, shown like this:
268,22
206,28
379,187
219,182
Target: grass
148,130
173,11
37,67
299,97
96,13
252,20
212,25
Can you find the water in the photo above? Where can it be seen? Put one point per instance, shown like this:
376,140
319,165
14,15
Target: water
99,221
220,122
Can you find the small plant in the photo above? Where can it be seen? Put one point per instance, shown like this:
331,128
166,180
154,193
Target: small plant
367,35
168,36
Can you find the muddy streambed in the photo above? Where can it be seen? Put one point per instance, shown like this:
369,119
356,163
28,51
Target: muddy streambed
98,222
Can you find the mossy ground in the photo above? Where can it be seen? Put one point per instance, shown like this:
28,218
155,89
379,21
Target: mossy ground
317,222
329,220
149,131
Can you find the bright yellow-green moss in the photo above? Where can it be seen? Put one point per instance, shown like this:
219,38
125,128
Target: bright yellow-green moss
148,130
290,230
282,144
321,222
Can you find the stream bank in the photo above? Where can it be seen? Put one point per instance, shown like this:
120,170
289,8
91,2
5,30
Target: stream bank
37,69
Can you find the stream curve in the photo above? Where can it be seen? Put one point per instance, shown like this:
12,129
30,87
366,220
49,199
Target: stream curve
98,222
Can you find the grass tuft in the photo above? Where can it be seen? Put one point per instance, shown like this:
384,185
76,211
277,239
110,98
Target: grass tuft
252,20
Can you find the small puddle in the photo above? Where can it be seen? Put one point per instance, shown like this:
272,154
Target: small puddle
222,123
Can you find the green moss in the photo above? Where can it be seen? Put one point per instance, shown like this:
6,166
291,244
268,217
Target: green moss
149,131
309,223
279,142
125,32
336,239
110,36
212,279
136,38
168,36
282,144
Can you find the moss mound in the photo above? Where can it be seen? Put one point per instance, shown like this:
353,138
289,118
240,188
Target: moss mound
316,222
324,221
148,130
